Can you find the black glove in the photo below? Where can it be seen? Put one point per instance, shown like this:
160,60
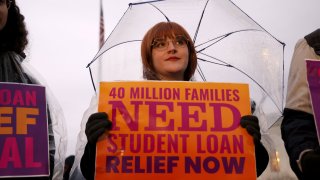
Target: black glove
97,124
310,164
251,124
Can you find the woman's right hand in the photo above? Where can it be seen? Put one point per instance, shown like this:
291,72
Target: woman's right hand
97,124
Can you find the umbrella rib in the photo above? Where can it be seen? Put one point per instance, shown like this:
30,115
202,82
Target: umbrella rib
196,34
204,60
229,65
161,12
201,73
138,3
219,38
94,87
96,57
195,37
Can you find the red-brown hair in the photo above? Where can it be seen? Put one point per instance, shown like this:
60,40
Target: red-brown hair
165,30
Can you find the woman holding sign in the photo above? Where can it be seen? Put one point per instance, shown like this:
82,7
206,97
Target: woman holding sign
13,68
168,54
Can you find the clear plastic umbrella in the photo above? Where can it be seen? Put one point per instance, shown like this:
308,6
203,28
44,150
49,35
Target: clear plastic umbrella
231,47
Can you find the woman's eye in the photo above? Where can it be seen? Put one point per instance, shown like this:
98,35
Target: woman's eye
160,44
180,42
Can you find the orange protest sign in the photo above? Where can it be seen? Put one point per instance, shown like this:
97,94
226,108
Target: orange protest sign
175,130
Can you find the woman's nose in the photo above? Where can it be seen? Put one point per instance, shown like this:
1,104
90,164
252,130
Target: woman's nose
171,46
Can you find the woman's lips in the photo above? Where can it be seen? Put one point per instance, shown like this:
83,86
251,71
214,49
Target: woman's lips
173,58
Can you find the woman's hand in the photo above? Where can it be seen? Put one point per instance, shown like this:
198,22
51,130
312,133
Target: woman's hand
251,124
97,124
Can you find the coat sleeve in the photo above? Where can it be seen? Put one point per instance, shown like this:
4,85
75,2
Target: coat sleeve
298,133
262,158
88,161
298,97
298,129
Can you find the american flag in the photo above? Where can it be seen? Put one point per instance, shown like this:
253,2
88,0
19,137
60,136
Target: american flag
101,33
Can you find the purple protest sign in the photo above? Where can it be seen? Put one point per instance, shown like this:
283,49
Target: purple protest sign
313,76
23,131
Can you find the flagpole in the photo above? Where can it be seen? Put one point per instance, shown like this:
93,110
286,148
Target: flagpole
101,40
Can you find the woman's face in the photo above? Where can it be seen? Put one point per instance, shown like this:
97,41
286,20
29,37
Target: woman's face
170,58
3,13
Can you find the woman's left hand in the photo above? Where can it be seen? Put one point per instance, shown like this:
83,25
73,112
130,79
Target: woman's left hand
251,124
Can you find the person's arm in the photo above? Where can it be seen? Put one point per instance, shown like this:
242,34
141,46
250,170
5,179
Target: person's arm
97,124
52,147
262,158
298,128
251,124
299,134
88,161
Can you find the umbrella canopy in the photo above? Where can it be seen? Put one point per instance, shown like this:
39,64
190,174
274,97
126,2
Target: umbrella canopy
231,47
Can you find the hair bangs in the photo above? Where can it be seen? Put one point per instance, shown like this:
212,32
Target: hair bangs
168,30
